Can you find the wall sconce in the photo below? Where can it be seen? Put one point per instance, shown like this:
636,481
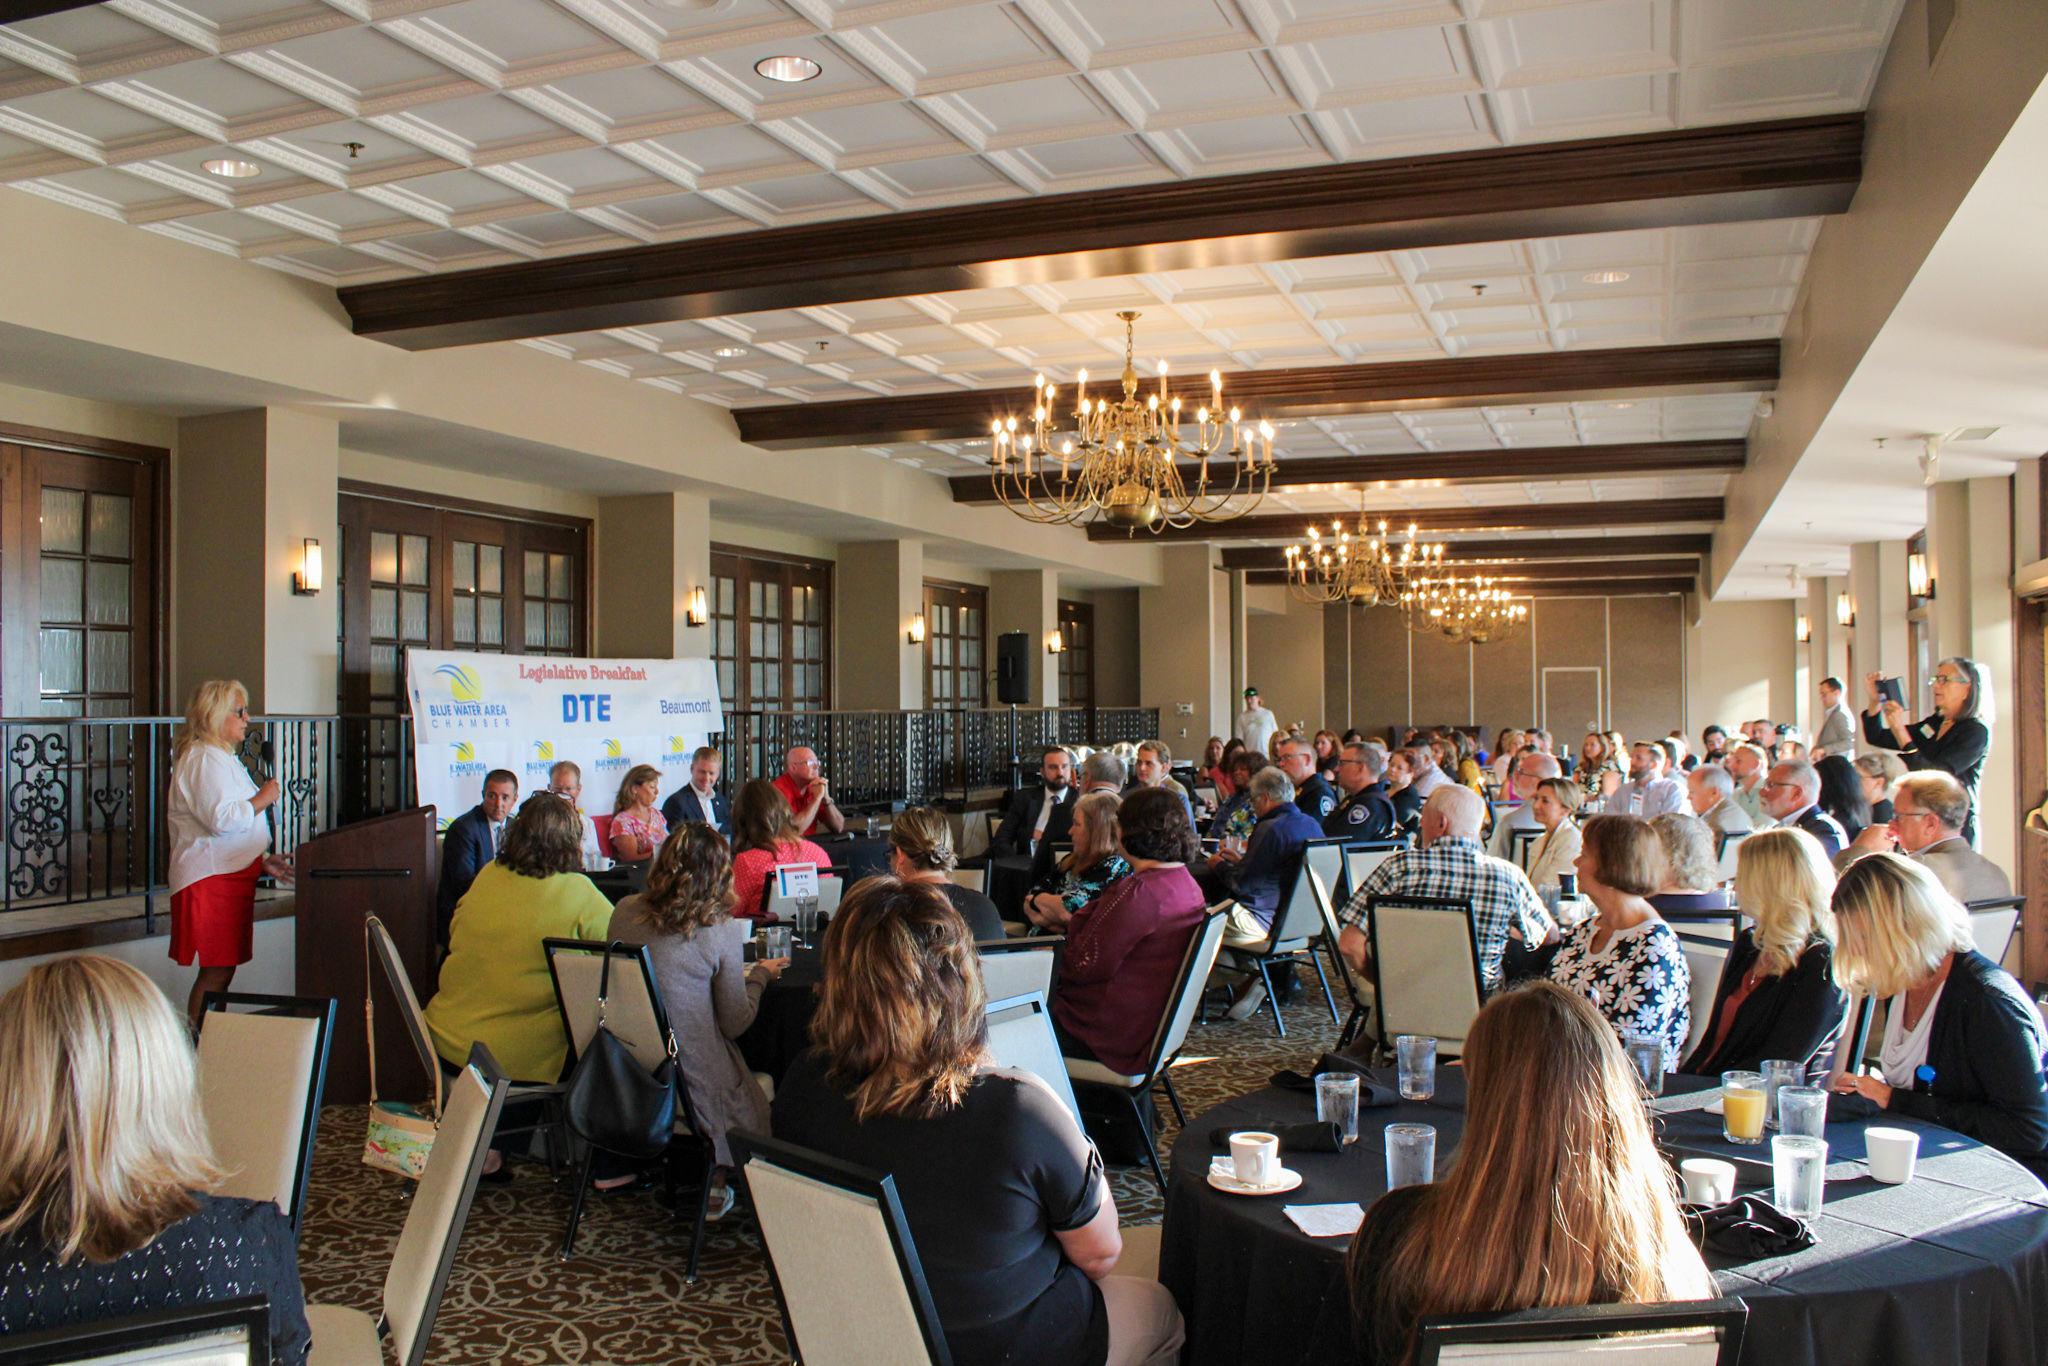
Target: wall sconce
1803,632
306,583
1845,610
917,628
698,610
1055,643
1919,583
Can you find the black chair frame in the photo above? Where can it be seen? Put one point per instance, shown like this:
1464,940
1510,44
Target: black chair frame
1728,1318
321,1009
1372,920
137,1332
1054,944
1263,958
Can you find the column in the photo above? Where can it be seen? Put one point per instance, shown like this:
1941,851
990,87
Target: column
1028,600
1877,582
252,487
879,588
1988,638
653,551
1948,561
1183,635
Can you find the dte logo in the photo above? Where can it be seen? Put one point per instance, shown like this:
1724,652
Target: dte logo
594,706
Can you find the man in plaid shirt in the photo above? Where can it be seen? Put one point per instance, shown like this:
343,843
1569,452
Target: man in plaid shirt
1451,864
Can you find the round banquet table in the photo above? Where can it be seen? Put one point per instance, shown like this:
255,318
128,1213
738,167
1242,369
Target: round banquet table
782,1025
1950,1268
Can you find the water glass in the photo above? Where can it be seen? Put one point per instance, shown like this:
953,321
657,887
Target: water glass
1411,1155
1337,1102
1742,1107
1646,1055
807,922
775,942
1798,1164
1802,1111
1779,1073
1416,1054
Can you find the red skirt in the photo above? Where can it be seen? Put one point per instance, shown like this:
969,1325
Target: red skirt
215,919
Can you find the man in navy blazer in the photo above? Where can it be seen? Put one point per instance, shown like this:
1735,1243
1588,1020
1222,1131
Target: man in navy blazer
699,799
470,841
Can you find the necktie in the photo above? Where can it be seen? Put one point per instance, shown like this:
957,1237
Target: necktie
497,834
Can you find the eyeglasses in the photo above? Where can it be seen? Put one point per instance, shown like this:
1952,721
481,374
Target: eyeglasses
1771,785
1898,815
242,712
1940,679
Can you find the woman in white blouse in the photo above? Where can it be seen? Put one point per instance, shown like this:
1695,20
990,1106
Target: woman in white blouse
1557,849
219,840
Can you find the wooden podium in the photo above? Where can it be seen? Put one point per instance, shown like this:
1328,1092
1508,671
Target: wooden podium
384,867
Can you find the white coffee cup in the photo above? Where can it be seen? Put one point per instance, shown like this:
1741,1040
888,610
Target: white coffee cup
1255,1158
1708,1180
1891,1153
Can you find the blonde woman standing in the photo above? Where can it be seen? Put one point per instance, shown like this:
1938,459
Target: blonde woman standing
219,840
105,1164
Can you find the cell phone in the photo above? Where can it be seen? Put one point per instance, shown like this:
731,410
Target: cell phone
1888,690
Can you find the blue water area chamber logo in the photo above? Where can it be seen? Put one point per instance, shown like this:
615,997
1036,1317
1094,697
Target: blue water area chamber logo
678,752
465,764
612,758
466,707
542,762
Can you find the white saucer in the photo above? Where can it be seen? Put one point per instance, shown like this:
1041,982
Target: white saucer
1223,1178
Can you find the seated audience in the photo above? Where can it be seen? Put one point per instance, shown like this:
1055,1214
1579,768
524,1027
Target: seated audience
764,838
1234,818
1529,771
699,799
1031,814
1506,745
1003,1193
921,850
1364,811
1258,878
1777,997
1316,798
1928,817
1427,773
1401,789
808,794
1682,760
1557,851
105,1164
471,841
1449,863
1597,759
1842,796
1084,871
1747,766
1691,881
1465,761
565,780
1713,744
1327,745
1152,766
638,827
1101,771
1624,958
1962,1042
1124,948
1710,795
1791,796
495,987
1556,1198
710,993
1648,792
1220,770
1212,758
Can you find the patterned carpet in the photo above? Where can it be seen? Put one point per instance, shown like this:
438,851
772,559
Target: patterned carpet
622,1299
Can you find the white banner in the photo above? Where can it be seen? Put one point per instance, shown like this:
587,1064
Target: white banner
472,713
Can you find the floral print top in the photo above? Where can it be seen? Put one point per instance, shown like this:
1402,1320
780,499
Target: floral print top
650,832
1076,889
1640,981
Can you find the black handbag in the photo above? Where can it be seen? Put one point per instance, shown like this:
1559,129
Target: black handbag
613,1102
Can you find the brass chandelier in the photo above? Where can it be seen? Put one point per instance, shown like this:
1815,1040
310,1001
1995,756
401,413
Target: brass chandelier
1120,462
1469,609
1356,568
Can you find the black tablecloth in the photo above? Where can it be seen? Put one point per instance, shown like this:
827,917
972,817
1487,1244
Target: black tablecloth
782,1027
1950,1268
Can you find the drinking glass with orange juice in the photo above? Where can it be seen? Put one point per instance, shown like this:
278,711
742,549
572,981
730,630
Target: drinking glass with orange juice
1742,1107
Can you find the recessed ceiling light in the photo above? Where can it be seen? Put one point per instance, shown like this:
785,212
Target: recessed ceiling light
728,352
1621,405
232,168
788,69
1606,277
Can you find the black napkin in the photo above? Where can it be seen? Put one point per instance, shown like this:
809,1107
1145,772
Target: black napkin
1748,1227
1320,1137
1371,1095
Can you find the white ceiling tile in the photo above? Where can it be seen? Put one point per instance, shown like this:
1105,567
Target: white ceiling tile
93,33
1793,86
587,170
630,98
556,229
680,213
1053,108
1574,109
1247,144
1577,41
514,33
948,48
482,122
1385,65
871,134
1737,27
1224,85
359,61
93,118
1113,32
721,156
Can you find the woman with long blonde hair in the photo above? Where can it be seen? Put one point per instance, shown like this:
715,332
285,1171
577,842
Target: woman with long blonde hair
1777,997
1084,871
1556,1198
105,1164
219,840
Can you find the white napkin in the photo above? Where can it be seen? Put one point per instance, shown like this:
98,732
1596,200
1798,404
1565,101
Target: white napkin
1326,1221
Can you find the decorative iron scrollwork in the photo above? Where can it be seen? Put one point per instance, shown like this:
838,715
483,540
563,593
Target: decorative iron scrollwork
39,814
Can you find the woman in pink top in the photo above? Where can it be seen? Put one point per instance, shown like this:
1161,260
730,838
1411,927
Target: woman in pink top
638,827
764,837
1124,948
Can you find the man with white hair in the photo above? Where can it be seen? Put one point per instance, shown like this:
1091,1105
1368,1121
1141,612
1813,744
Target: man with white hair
1710,792
1422,764
1450,864
1531,768
1792,797
1647,792
1928,815
1271,859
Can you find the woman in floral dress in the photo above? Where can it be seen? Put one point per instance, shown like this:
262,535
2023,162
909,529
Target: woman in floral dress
1624,958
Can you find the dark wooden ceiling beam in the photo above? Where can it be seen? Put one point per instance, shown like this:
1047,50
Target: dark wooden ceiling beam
1386,386
1512,517
1785,169
1496,466
1599,549
1544,588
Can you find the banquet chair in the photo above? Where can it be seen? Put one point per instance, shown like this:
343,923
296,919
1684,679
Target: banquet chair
260,1080
634,1013
840,1256
1705,955
1013,967
425,1253
549,1094
1168,1039
1020,1035
603,826
224,1333
1425,968
1523,843
1296,927
975,829
1680,1333
1728,849
1359,992
1994,923
1361,859
970,878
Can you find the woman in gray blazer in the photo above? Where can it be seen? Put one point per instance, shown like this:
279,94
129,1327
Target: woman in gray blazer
710,993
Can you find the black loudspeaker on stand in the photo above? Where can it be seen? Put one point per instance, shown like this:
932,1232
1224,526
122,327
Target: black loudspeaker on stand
1013,668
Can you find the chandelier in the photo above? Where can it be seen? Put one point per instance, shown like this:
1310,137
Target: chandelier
1468,609
1120,461
1356,568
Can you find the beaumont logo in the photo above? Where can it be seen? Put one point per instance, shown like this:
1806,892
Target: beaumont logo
463,684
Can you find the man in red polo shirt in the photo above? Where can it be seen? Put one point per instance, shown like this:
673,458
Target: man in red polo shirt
808,795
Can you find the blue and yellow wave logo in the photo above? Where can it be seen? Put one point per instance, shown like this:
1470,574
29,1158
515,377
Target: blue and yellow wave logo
543,749
675,744
464,752
612,750
463,683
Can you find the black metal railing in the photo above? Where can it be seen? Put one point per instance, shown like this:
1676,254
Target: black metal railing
85,798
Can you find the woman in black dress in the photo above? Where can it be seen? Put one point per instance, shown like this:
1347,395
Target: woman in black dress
1954,738
1842,795
104,1165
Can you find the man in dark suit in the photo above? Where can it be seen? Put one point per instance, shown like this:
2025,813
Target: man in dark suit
700,800
1045,812
472,840
1792,797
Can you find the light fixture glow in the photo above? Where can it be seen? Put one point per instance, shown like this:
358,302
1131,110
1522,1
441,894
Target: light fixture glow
232,167
729,352
1606,277
788,70
306,583
1919,582
1803,632
1845,610
1055,643
698,610
917,629
1623,404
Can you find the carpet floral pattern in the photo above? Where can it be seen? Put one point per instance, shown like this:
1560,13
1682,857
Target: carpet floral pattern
622,1300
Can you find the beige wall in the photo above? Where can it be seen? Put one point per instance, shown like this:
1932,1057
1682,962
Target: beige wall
879,587
84,417
1740,664
1284,656
443,482
1116,650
